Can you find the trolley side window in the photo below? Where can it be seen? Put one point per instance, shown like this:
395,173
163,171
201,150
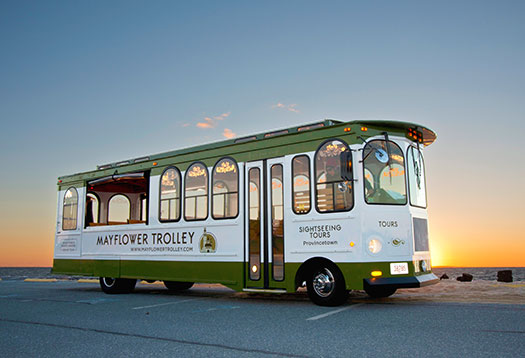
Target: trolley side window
170,184
333,171
301,184
225,192
119,210
92,209
196,192
70,210
384,173
277,204
117,199
416,178
254,208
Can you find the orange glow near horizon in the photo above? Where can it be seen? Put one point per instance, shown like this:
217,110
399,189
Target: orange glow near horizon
30,251
461,248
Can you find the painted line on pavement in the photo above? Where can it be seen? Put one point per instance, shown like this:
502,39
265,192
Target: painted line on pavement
314,318
165,304
217,308
95,301
40,280
87,280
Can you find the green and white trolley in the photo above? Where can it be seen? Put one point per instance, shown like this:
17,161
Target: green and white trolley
335,206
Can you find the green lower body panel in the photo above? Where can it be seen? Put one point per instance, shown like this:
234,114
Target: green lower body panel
227,273
230,274
73,267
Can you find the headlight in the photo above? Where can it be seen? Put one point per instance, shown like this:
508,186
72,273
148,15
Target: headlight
374,246
424,265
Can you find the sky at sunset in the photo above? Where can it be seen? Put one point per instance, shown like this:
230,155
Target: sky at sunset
93,82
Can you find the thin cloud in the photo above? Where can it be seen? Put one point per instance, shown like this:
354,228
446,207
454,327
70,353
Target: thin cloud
211,122
288,107
208,123
228,133
222,116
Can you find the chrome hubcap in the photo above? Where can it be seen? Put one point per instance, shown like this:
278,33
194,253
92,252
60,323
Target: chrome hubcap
324,283
108,281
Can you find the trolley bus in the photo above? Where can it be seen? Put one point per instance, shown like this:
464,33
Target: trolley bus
335,206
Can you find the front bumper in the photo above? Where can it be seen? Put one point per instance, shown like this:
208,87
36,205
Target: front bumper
401,282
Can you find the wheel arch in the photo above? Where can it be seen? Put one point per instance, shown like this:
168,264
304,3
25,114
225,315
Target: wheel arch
306,268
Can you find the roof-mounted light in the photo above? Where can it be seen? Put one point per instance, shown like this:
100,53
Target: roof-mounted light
415,135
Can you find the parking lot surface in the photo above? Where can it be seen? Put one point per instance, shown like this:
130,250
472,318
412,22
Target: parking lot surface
65,318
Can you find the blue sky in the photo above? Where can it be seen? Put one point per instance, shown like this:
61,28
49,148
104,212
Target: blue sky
86,83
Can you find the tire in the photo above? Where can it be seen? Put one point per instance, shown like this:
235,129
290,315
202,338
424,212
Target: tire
112,285
379,292
177,286
326,286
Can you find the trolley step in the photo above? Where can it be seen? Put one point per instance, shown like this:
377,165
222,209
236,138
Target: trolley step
264,290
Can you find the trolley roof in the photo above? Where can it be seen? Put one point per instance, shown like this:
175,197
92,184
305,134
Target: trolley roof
414,131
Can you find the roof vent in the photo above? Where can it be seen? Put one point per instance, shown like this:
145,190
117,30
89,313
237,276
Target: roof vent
104,166
273,134
141,159
245,139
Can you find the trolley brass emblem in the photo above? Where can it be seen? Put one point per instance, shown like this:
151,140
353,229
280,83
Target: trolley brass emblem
208,242
397,242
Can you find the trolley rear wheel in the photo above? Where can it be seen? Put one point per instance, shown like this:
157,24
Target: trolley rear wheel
117,285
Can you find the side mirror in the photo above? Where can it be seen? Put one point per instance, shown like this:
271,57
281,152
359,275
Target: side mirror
346,165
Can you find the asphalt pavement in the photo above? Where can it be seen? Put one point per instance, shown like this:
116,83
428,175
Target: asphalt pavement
68,318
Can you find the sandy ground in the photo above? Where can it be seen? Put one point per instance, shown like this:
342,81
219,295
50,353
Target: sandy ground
475,291
445,291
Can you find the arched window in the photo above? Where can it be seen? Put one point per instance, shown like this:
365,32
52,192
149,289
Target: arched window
333,175
301,184
92,209
225,195
196,192
70,209
170,185
384,173
119,209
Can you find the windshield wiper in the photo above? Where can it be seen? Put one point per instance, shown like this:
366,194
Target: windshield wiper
389,162
372,149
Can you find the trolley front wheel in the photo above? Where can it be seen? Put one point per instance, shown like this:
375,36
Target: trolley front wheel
177,286
326,286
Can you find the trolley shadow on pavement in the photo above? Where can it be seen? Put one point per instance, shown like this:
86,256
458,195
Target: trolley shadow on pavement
217,291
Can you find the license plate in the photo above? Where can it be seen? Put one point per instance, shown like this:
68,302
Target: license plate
399,268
